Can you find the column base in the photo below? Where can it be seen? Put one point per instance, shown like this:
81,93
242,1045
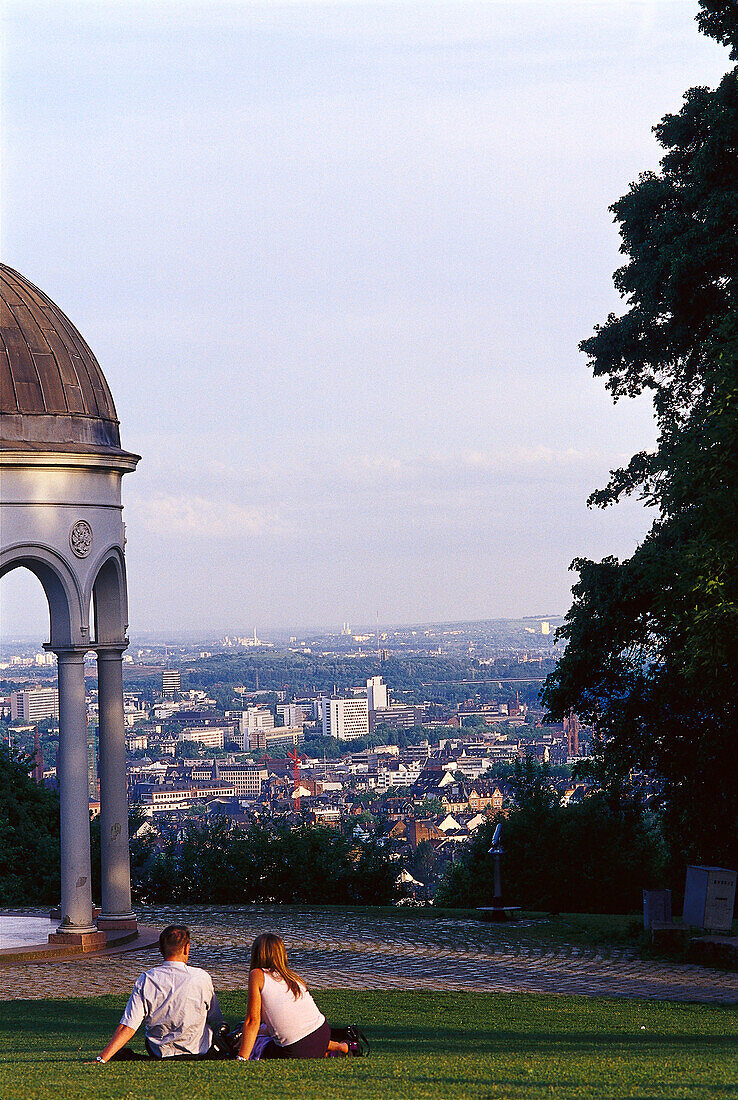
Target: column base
127,920
88,941
55,914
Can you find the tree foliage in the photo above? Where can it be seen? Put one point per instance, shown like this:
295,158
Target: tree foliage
221,863
427,677
29,835
652,641
590,857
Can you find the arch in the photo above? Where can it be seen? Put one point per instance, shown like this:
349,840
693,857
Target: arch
109,598
68,622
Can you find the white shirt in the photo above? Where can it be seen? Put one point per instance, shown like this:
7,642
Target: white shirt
288,1018
177,1002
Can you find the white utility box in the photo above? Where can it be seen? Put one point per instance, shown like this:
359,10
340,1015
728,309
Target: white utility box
709,897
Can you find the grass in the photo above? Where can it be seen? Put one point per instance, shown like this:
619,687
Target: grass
440,1045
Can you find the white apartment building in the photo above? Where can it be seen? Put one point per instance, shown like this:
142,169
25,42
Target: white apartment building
246,779
34,704
163,746
473,766
503,751
214,788
162,711
133,708
293,714
252,719
345,719
161,799
137,742
261,740
284,735
212,737
170,682
377,694
398,775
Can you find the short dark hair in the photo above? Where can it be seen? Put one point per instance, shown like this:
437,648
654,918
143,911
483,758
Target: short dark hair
173,939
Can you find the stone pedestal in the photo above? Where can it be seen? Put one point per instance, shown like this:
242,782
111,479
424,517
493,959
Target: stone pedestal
88,941
108,924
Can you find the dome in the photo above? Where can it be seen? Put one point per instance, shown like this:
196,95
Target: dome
53,394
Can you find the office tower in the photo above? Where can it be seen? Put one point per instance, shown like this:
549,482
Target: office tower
345,719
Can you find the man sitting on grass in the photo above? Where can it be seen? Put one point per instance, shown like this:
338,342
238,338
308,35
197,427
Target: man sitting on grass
175,1002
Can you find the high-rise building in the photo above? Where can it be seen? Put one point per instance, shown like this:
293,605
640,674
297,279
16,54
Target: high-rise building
34,704
170,683
377,694
293,714
252,720
211,737
398,716
262,740
345,719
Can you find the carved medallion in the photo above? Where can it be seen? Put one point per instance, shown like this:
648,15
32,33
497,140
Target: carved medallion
80,538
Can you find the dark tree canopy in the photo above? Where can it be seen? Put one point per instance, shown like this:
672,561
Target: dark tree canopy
592,857
222,863
652,641
29,835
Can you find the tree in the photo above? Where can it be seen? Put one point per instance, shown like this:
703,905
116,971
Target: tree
221,863
424,863
29,835
652,641
592,857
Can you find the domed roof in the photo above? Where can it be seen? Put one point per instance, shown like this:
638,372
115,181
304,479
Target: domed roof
53,394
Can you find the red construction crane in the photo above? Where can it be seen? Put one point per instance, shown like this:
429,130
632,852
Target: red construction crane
295,758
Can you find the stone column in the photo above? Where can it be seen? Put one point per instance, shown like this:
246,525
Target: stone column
116,865
76,885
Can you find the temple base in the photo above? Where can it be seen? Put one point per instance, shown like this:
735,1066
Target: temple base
87,941
109,923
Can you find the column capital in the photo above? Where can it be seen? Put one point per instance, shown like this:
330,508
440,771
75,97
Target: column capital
111,649
68,652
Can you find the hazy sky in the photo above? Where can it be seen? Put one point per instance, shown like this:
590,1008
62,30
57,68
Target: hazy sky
335,261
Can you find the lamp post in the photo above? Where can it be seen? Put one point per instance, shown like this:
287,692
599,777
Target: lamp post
497,852
497,911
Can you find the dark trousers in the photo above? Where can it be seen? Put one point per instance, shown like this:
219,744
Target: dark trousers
128,1055
314,1045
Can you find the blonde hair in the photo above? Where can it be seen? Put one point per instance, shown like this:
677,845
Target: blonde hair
269,953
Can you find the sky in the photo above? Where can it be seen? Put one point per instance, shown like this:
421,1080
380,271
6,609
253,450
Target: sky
335,260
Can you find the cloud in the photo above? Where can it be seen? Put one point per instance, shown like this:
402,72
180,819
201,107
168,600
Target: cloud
200,517
539,456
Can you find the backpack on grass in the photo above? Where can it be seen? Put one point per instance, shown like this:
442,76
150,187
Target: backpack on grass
358,1043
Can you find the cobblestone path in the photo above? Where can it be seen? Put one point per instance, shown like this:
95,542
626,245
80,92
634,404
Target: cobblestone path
359,951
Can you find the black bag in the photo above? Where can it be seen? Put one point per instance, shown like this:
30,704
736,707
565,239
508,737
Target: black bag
358,1043
228,1043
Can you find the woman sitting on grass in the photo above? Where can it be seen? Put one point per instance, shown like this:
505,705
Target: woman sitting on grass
280,1001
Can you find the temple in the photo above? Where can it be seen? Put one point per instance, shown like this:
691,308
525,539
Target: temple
61,467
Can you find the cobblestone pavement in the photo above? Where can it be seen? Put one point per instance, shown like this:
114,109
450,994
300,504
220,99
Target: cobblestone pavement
335,949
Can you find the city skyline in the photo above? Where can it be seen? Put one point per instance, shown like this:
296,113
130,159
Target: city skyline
335,261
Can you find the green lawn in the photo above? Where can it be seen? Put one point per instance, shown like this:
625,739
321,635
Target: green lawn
439,1045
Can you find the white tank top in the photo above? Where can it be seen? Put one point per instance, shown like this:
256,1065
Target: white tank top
288,1018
